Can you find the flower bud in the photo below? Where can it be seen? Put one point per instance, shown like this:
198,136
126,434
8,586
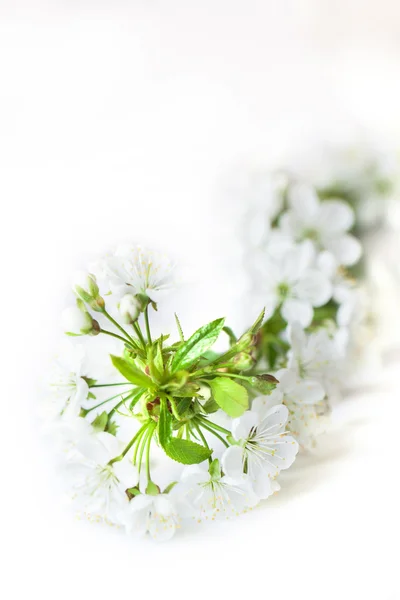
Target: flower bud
77,321
243,361
85,286
129,308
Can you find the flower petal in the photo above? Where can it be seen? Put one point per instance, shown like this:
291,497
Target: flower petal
347,249
232,462
314,287
297,310
335,217
242,426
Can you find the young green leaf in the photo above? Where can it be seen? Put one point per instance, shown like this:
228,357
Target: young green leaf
186,451
183,451
130,372
178,324
229,395
196,345
258,322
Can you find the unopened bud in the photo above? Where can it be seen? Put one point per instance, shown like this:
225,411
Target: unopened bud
86,288
77,321
243,361
129,308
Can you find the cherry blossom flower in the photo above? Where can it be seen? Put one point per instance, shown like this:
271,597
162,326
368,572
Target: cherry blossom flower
99,485
213,495
290,281
326,223
264,448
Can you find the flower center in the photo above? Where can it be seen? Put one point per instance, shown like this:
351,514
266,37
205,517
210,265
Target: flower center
283,290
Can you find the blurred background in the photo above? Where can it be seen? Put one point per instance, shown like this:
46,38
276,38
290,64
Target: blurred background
133,120
140,120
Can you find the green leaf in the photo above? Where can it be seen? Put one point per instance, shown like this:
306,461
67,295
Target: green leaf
187,452
258,322
158,359
178,324
197,344
130,372
100,422
182,451
210,406
229,395
136,397
164,424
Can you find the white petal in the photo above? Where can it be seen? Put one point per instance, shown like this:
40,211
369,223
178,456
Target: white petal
262,484
285,451
347,249
126,472
296,261
275,419
262,404
304,202
232,462
335,216
307,392
314,287
297,310
242,426
297,337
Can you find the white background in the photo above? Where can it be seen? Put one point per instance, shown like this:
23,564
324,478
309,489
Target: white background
132,120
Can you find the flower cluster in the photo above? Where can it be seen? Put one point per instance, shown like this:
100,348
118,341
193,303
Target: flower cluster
227,423
204,410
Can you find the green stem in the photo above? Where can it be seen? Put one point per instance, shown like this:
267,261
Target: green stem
88,410
138,446
116,407
136,327
129,446
146,320
115,335
148,453
101,385
215,433
118,326
143,446
203,439
214,425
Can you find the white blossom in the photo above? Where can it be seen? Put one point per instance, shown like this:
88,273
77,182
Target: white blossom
157,515
134,270
326,223
99,487
214,495
316,356
290,281
264,448
67,382
304,398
